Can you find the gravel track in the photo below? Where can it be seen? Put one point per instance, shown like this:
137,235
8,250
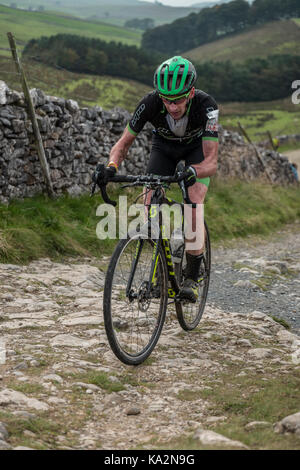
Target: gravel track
274,264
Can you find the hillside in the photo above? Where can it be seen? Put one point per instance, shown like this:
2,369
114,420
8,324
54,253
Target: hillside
112,11
87,90
211,24
26,25
276,37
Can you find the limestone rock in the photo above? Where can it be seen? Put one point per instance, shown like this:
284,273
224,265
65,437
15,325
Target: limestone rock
260,353
72,341
212,438
289,424
12,397
253,425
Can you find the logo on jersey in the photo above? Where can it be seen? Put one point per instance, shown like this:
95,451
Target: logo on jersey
212,120
137,114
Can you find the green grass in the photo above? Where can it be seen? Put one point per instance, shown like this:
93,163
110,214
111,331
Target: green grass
87,90
278,37
26,25
269,400
258,123
279,117
238,209
265,397
65,227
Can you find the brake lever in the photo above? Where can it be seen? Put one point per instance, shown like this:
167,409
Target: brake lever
93,189
186,198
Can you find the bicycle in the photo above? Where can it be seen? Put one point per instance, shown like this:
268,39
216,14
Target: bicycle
142,279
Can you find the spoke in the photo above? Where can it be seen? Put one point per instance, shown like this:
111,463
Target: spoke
135,322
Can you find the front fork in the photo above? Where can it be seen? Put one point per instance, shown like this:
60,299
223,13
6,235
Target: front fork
130,294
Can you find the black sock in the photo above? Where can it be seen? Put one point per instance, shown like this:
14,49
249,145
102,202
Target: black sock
193,266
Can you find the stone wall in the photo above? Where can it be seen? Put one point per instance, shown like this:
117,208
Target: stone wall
75,139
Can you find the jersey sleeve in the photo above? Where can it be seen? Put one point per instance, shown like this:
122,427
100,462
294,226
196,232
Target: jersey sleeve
141,115
210,119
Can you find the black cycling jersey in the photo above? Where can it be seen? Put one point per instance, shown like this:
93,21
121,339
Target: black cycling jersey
202,112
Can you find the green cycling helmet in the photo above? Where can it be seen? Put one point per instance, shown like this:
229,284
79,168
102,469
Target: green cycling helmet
175,76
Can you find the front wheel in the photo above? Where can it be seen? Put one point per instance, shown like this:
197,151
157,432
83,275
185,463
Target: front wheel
190,314
134,314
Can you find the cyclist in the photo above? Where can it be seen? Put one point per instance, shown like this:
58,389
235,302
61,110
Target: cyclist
185,123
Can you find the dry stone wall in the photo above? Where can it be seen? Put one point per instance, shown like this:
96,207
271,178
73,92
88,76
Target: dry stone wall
75,139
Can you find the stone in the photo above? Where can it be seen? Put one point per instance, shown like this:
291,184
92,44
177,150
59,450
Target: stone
254,425
212,438
90,320
72,341
8,297
22,448
12,397
296,357
215,419
245,284
38,97
72,106
24,414
133,411
286,336
245,343
53,378
4,445
260,353
3,432
289,424
21,366
92,387
256,315
3,92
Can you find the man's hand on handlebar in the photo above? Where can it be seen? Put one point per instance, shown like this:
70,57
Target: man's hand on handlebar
102,175
190,176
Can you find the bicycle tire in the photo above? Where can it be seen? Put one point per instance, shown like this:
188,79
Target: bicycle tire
190,314
134,340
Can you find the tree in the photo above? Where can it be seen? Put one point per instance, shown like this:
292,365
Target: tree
144,24
96,61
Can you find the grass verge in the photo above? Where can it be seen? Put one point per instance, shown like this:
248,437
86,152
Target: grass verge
239,400
66,227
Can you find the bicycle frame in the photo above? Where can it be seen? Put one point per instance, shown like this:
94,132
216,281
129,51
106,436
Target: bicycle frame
155,217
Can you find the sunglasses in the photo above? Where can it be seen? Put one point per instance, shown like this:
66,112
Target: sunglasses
178,100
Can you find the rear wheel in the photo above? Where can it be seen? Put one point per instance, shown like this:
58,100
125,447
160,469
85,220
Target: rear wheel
189,314
133,316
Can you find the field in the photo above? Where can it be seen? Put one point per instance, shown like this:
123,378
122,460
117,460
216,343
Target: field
26,25
279,117
278,37
109,10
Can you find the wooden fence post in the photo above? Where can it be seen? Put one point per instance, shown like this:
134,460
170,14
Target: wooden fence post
31,111
256,151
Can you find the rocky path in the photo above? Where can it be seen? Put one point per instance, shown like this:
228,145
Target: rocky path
62,388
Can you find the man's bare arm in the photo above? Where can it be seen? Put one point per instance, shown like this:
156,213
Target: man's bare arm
209,165
120,149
